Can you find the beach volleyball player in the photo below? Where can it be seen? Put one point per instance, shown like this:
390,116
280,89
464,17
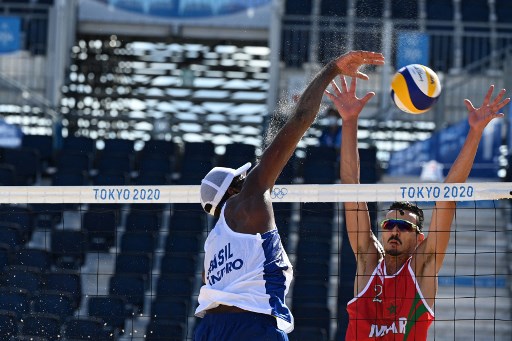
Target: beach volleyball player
396,280
247,273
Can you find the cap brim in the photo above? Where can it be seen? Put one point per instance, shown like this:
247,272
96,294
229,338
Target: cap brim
242,170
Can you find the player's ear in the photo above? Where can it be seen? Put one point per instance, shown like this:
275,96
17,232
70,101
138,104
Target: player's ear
420,237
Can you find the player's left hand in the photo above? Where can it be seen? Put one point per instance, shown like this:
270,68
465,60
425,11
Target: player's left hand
479,117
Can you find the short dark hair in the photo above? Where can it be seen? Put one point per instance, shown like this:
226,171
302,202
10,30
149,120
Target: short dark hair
408,206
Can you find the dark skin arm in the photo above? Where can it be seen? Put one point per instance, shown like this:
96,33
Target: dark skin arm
250,211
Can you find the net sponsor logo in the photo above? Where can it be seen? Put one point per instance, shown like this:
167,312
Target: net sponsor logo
222,264
381,330
453,192
124,194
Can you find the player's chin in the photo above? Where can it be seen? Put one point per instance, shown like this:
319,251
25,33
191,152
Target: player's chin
392,251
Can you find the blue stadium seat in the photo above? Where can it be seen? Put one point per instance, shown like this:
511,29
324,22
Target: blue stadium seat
155,164
301,333
43,144
112,310
314,247
320,210
86,328
26,161
162,148
24,217
118,147
22,277
313,315
315,227
180,243
440,10
503,9
111,179
145,178
142,221
134,264
101,226
131,288
5,255
308,268
174,286
178,265
40,259
41,325
68,248
138,242
54,302
475,10
333,8
8,325
115,163
198,159
73,161
305,291
15,300
11,235
298,7
7,175
79,144
369,8
288,173
404,9
48,215
174,309
69,177
238,154
187,221
165,331
65,281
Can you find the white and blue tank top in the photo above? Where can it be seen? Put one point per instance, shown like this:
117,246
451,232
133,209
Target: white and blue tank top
249,271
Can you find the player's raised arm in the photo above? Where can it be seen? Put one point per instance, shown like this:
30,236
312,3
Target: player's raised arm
362,240
275,157
439,232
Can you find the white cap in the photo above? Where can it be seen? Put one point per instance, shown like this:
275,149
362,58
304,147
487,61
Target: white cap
216,183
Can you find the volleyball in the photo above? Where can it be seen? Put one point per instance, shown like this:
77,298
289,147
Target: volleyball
415,88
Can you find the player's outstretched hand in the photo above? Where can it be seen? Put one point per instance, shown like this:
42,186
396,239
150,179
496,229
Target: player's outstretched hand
479,117
345,100
349,63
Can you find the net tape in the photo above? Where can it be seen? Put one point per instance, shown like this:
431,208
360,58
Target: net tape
416,192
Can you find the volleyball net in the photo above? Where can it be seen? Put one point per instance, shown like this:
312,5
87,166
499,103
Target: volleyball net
125,262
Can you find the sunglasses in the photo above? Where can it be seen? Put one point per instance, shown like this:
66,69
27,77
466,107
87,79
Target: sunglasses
403,225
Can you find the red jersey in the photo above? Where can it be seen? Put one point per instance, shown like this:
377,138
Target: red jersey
390,308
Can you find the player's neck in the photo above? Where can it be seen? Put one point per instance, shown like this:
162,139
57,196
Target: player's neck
394,263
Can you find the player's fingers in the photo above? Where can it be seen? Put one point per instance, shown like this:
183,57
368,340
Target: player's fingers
469,105
343,83
502,103
499,97
353,85
361,75
367,97
488,95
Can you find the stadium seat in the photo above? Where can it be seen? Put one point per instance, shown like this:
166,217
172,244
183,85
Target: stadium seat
112,310
8,325
15,300
101,227
7,175
68,248
118,147
48,215
174,286
5,255
404,9
69,177
165,331
11,235
41,325
142,221
475,10
370,9
175,309
131,288
440,10
187,221
114,163
305,291
155,164
181,243
307,268
54,302
81,144
43,144
73,161
40,259
298,7
311,226
24,217
134,264
65,281
503,10
22,277
162,148
138,242
288,173
86,328
313,315
178,265
238,154
26,161
145,178
301,333
314,247
333,8
320,210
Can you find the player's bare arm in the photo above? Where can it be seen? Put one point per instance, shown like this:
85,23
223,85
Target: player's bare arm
364,244
430,254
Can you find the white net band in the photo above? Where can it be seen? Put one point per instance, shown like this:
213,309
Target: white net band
418,192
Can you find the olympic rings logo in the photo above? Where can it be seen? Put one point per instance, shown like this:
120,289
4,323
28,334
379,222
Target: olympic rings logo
278,193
